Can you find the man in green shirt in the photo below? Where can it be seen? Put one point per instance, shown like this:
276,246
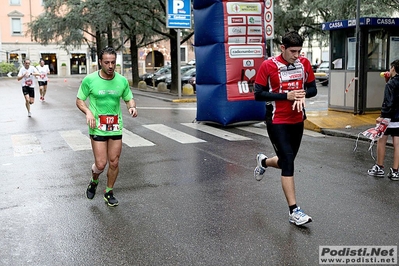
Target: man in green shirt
104,89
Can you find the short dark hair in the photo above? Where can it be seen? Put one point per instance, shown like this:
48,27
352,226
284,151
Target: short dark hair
395,64
107,50
292,39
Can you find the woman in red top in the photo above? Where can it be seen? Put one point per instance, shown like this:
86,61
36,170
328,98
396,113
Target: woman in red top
284,82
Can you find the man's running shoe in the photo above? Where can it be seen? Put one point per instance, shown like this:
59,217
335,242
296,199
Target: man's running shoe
298,217
376,171
259,169
29,114
91,190
110,199
394,176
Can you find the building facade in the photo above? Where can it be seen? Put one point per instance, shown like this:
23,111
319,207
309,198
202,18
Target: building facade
16,45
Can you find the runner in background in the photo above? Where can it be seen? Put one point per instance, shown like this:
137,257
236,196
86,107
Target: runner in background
27,75
43,78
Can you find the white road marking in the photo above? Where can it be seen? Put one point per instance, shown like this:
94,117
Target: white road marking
255,130
133,140
76,140
173,134
26,144
216,132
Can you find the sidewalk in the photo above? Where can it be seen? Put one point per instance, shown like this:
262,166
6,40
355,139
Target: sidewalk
342,124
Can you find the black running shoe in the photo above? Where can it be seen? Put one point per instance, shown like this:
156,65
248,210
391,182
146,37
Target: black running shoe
91,190
110,199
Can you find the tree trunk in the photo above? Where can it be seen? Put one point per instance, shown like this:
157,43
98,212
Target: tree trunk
134,59
173,57
98,47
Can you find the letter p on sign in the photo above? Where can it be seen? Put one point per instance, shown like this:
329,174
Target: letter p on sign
177,4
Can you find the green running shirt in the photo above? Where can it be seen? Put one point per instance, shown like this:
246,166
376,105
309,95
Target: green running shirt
104,96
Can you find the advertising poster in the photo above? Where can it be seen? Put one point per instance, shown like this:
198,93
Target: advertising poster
229,48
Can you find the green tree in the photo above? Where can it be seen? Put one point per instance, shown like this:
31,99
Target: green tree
306,16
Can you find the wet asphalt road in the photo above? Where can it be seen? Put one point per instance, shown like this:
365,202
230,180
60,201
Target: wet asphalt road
180,204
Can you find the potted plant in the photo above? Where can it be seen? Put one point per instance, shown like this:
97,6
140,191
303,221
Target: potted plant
63,69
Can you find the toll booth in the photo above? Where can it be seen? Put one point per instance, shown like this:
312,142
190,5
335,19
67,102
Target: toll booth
378,47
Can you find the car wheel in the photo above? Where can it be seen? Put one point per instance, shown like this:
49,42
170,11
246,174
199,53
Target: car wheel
324,83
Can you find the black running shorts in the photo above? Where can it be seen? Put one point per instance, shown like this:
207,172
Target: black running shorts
105,138
392,131
28,90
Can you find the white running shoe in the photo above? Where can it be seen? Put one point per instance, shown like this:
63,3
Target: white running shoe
29,114
394,176
298,217
376,171
259,169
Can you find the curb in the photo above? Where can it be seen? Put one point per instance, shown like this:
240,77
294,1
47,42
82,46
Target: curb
184,100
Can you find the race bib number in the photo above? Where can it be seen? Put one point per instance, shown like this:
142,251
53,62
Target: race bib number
28,82
291,79
108,123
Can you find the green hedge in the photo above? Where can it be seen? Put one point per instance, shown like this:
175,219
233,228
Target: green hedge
7,67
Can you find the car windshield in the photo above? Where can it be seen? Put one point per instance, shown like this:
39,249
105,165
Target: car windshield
184,69
324,65
163,70
190,72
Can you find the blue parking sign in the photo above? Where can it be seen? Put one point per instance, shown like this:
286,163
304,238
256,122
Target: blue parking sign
178,14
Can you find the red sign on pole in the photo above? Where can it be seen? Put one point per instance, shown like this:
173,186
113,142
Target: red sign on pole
269,20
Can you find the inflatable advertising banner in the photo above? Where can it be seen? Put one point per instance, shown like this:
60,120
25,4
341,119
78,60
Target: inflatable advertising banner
229,48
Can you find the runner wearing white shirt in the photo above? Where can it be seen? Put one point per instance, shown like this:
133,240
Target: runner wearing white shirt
27,75
43,78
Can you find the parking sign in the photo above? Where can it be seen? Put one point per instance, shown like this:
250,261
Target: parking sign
178,14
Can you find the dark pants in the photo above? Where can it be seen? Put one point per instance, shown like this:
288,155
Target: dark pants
286,140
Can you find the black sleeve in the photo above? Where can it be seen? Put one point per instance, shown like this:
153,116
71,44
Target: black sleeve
387,110
262,94
310,89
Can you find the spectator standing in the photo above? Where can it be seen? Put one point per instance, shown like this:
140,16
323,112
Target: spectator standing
390,109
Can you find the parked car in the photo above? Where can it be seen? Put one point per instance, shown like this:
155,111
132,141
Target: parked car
187,76
148,77
322,73
183,71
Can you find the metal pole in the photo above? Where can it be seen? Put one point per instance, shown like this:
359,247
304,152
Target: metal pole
153,66
122,67
271,47
356,103
178,64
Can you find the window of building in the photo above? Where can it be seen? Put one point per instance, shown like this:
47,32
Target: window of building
377,49
15,2
183,54
16,26
78,63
